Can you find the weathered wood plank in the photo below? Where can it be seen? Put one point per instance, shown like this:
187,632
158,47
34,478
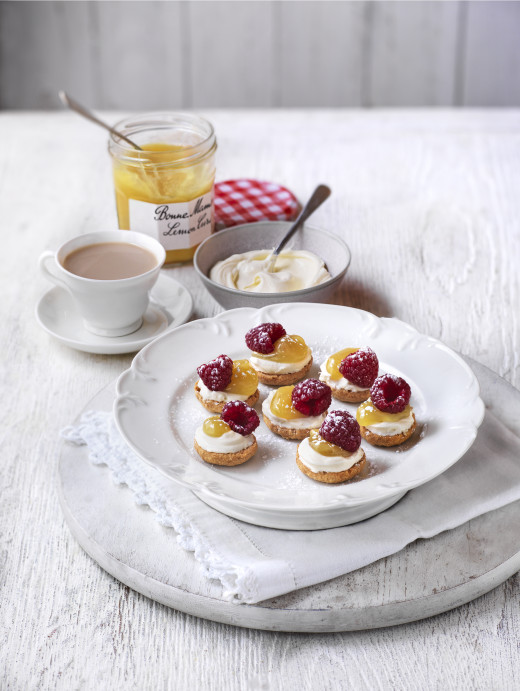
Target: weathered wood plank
157,54
320,53
44,47
413,52
139,59
492,54
231,53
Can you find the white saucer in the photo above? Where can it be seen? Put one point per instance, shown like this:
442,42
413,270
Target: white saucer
171,305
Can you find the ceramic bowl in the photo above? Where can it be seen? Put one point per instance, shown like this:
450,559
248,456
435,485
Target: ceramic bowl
265,235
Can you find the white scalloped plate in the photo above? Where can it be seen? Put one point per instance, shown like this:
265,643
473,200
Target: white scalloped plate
157,413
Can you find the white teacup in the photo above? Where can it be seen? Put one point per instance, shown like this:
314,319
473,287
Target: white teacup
109,307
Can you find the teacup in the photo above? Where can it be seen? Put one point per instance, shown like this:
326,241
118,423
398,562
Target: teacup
109,306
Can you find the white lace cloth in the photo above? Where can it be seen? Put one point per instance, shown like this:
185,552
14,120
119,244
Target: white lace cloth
254,564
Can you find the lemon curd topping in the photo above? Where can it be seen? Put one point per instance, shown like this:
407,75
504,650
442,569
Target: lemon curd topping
244,379
286,349
325,448
367,414
281,404
334,361
215,427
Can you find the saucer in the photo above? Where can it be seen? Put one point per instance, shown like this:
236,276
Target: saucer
170,306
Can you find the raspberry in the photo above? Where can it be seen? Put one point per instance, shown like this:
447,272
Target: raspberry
240,417
340,428
261,339
361,367
311,397
216,375
390,394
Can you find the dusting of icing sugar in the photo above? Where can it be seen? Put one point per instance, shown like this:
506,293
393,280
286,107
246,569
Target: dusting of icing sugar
274,465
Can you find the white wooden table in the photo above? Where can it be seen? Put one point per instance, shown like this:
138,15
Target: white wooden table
429,202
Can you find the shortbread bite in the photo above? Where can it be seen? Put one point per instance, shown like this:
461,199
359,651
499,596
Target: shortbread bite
288,432
294,425
332,478
349,396
283,379
390,439
342,388
228,440
279,358
227,459
241,383
217,406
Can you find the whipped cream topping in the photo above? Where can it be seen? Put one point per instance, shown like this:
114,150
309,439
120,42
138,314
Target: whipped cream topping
342,383
317,463
298,423
272,367
229,442
253,272
220,396
388,429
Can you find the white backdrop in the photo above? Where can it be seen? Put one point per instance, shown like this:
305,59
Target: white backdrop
152,55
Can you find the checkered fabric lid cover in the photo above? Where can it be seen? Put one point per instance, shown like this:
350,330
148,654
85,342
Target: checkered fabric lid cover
247,201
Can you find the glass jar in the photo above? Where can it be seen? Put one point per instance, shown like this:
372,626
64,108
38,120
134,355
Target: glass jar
166,190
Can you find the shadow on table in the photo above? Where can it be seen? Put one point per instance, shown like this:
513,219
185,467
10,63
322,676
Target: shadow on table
353,293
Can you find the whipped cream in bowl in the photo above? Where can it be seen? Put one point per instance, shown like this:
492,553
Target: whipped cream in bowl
258,271
234,265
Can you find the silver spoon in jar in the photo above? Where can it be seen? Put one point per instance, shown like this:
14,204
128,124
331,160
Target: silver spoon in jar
86,113
320,194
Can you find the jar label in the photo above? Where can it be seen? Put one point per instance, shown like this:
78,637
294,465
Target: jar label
175,225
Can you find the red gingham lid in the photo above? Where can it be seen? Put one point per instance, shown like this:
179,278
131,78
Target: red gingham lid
247,201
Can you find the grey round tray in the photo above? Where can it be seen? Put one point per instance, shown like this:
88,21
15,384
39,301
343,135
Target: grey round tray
426,578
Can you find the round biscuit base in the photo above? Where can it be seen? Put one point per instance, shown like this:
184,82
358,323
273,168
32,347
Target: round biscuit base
350,396
389,440
227,459
217,406
287,432
332,478
283,379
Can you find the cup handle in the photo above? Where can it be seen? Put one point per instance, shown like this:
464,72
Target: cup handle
48,266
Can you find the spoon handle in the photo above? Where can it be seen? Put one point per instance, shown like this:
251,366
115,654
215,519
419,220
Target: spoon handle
320,194
78,108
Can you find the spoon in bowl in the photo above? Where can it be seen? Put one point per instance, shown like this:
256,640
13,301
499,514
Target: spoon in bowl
320,194
89,115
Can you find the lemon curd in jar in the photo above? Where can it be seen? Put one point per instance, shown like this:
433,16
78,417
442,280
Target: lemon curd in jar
166,188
